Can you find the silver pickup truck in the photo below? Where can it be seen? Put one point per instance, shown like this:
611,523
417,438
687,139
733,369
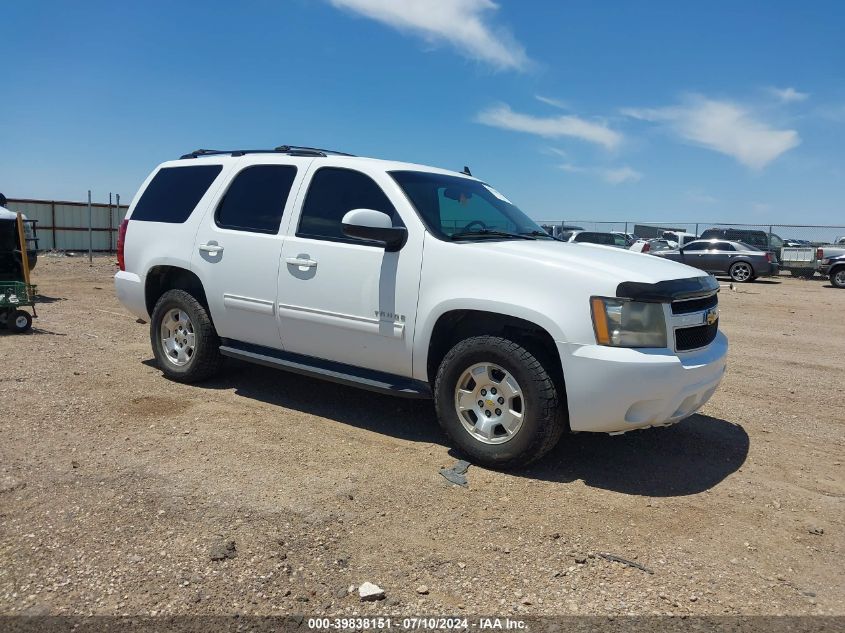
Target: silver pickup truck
804,261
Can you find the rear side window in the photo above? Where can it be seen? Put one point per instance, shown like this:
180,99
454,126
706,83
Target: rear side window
697,246
334,192
595,238
174,192
256,199
722,246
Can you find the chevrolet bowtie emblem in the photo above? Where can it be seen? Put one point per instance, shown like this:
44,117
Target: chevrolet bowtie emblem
711,316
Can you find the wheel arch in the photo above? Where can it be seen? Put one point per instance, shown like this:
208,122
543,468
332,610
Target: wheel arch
160,279
457,324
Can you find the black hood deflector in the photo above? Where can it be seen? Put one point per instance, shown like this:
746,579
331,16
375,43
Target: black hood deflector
669,290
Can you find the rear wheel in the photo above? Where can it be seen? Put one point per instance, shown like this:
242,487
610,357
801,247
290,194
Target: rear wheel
742,272
184,341
497,402
837,277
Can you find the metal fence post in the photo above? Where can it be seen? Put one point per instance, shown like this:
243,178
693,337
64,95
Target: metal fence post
110,221
90,232
117,215
696,230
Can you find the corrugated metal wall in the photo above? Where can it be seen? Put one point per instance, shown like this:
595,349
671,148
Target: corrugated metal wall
64,225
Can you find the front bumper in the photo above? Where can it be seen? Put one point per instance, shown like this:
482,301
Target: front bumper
613,390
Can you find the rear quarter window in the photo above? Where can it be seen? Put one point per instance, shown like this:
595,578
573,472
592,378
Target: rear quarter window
174,192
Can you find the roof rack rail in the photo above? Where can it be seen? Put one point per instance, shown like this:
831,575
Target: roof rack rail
293,150
299,148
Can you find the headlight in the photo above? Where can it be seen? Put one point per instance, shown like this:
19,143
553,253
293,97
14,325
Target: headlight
624,323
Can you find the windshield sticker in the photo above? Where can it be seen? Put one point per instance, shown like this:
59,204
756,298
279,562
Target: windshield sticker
497,194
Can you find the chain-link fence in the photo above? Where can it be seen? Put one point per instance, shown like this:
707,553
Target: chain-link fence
777,234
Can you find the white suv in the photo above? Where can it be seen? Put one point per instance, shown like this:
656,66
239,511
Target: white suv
418,282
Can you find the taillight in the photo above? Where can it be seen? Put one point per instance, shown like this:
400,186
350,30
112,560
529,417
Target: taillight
819,253
769,257
121,244
646,247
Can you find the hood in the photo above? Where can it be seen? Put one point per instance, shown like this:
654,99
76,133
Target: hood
605,264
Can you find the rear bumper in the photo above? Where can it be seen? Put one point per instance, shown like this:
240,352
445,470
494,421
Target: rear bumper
614,390
772,270
129,289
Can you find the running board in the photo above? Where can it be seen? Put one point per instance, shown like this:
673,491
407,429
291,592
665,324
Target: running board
327,370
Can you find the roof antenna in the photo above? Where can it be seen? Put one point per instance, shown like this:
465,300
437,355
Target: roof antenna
467,171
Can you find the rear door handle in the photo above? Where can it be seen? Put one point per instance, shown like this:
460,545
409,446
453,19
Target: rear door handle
212,249
301,261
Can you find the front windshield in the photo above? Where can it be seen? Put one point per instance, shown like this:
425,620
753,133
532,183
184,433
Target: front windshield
462,208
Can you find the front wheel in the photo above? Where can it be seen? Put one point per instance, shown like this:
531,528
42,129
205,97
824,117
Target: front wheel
742,272
837,278
497,402
184,341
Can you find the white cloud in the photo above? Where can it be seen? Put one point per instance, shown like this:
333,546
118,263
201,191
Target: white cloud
461,23
555,103
789,95
621,175
724,127
697,195
597,132
613,176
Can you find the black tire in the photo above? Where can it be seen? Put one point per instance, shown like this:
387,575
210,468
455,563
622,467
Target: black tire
20,321
837,278
735,276
4,319
544,418
206,359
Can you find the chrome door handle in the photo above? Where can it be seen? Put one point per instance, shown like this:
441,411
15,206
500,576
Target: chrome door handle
301,261
212,249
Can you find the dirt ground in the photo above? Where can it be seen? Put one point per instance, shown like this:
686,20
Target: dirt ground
117,487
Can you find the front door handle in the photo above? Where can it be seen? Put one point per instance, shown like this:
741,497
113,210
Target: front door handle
301,261
211,249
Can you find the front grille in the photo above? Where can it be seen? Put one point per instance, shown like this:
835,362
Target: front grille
694,337
694,305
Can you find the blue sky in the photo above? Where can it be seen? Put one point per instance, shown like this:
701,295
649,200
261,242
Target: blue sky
717,111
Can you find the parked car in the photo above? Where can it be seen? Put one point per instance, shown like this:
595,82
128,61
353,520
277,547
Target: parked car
555,230
311,261
763,240
595,237
679,238
804,260
834,268
741,262
793,243
630,238
650,246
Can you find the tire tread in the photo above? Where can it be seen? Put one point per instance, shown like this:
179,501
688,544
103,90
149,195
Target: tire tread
551,424
208,359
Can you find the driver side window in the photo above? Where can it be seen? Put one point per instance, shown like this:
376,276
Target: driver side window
332,193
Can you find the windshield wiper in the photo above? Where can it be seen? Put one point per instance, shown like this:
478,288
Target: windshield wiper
537,233
489,233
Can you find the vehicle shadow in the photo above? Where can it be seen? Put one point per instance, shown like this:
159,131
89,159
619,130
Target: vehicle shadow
684,459
403,418
687,458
